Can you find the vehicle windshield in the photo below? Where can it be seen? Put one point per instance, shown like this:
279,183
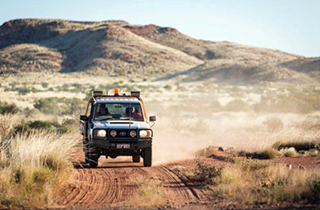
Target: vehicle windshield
117,111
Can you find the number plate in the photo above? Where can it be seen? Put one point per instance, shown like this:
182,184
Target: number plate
123,146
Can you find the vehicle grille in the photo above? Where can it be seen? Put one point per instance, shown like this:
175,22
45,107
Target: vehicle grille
122,134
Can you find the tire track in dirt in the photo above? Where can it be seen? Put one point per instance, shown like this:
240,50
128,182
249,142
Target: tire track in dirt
117,182
176,190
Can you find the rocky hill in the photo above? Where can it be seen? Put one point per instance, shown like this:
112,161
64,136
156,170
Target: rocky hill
118,48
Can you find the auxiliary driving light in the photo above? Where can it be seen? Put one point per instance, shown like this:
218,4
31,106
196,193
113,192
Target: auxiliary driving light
133,134
101,133
145,133
113,133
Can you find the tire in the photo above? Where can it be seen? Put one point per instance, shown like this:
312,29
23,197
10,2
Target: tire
136,158
86,157
93,157
147,158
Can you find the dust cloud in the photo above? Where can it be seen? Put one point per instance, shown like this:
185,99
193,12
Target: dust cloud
179,134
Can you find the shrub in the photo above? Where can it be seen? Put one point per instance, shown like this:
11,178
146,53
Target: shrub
63,88
31,126
23,90
167,87
297,145
45,84
6,108
206,173
61,106
269,153
251,164
315,188
6,126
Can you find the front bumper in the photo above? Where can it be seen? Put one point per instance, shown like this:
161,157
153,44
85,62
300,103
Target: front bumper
122,144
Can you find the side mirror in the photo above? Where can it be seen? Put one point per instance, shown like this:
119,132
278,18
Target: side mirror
152,118
83,117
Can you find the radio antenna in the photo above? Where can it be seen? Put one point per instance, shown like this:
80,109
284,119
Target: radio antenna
130,115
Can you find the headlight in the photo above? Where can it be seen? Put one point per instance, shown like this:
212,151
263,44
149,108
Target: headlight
101,133
145,133
133,134
113,133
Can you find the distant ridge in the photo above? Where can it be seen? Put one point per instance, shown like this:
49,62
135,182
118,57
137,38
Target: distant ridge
117,48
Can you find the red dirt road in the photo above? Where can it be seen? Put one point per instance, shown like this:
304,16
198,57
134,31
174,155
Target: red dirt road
115,181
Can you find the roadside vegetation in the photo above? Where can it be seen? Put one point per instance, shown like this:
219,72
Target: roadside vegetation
6,108
38,118
49,126
33,166
254,182
60,106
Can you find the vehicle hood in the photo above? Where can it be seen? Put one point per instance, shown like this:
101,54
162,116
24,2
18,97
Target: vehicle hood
120,125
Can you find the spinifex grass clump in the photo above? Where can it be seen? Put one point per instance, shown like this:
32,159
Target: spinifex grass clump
290,152
32,167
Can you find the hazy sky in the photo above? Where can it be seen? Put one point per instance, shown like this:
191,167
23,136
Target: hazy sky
288,25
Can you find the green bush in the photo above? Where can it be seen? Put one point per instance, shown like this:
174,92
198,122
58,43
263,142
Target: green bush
6,108
45,84
167,87
23,90
41,125
60,106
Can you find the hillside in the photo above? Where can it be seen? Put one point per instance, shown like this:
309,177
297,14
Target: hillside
117,48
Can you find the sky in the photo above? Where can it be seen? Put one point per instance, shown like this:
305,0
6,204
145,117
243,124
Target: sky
288,25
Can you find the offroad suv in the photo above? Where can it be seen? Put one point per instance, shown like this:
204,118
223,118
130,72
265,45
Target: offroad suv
116,125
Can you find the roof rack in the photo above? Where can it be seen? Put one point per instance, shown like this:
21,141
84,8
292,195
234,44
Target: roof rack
98,94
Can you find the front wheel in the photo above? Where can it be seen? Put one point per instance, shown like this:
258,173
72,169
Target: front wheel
147,158
93,157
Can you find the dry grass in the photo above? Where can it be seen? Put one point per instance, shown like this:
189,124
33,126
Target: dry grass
33,166
268,153
253,182
151,195
195,113
290,152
